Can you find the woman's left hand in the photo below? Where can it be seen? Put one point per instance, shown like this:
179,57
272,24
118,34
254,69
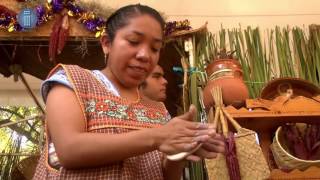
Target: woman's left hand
209,149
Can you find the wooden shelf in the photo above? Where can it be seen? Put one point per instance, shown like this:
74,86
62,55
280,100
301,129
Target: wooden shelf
297,110
298,106
310,173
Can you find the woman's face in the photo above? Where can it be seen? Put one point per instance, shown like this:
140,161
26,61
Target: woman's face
134,51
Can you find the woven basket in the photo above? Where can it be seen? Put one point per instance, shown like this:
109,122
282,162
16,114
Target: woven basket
252,163
251,160
282,156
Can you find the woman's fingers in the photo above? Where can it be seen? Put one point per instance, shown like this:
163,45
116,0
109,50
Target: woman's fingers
180,147
182,135
186,144
188,116
193,158
202,152
210,132
217,140
214,145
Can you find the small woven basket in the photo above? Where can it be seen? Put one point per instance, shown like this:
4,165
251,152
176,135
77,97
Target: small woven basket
282,156
252,163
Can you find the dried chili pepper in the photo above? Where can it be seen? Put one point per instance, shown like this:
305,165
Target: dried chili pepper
63,34
54,38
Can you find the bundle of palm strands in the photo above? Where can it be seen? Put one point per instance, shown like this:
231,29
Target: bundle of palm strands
230,147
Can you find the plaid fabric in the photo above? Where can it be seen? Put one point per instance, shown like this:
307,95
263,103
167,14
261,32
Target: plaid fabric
107,113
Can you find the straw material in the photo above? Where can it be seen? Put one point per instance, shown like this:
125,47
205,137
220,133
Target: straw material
284,159
25,169
251,159
182,33
12,5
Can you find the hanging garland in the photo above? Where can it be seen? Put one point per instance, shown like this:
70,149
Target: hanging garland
174,26
92,22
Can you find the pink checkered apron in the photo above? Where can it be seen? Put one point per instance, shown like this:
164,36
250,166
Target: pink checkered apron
107,113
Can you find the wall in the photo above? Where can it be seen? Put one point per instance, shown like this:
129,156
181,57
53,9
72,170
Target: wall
231,13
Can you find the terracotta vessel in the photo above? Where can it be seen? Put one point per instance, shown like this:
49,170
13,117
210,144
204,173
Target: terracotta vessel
227,74
222,64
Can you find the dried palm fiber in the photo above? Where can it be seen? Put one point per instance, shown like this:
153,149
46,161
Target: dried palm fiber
252,163
295,141
7,11
25,168
283,157
100,8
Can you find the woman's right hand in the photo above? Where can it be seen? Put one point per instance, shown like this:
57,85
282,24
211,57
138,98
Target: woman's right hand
180,134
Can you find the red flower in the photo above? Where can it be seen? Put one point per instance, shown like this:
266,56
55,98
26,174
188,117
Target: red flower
101,106
151,115
131,115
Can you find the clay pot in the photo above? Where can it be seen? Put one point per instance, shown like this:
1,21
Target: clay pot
234,92
227,74
222,64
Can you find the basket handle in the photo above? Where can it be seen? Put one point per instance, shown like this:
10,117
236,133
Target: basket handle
223,123
221,114
235,124
216,117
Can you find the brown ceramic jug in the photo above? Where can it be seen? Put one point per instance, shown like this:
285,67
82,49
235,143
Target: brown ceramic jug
222,64
226,73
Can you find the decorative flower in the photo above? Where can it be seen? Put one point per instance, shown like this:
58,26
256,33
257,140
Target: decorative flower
57,5
131,114
101,106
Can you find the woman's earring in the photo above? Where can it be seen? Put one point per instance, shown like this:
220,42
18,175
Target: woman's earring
105,58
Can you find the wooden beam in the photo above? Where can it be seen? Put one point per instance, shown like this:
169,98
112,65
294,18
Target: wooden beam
24,81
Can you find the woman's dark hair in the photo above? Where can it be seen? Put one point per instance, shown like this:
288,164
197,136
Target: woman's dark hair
121,17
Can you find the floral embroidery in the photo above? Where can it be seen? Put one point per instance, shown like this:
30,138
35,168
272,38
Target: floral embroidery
90,106
100,106
122,112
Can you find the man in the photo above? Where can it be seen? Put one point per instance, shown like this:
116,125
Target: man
154,87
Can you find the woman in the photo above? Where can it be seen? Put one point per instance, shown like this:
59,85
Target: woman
100,128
